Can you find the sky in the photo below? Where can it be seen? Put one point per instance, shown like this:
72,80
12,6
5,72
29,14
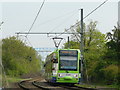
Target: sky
55,16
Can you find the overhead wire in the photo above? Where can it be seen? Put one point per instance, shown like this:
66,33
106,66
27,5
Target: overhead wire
29,41
62,22
65,20
35,17
58,17
71,26
95,9
84,17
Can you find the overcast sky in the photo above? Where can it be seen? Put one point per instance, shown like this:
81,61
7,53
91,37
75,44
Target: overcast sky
54,17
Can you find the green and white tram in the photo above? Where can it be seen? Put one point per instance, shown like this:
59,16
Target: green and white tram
63,66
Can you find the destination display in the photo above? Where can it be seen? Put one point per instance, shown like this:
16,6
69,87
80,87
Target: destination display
68,52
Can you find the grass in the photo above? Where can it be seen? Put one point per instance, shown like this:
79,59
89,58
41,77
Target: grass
85,85
109,86
13,79
98,86
6,81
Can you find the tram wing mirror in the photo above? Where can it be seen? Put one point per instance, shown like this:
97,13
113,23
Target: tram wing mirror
44,65
53,68
54,60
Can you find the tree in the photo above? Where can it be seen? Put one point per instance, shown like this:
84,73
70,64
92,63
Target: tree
114,43
16,57
112,57
73,45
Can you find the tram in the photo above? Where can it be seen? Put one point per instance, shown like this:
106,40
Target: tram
63,66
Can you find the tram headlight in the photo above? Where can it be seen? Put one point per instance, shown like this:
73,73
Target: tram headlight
76,76
60,75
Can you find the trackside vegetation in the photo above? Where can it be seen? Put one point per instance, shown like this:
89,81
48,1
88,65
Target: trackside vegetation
18,58
101,54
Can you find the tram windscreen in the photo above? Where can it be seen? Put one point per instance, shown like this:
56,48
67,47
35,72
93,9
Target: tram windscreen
68,59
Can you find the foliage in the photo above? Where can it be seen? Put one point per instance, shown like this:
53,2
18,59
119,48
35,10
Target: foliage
112,57
17,58
111,74
73,45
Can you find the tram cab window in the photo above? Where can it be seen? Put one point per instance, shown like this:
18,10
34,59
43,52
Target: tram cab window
68,60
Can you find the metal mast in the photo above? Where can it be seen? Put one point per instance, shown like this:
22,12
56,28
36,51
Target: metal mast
81,44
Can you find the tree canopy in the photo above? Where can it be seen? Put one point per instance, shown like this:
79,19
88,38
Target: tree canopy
18,58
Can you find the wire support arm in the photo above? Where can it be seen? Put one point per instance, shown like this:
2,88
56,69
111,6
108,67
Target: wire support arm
44,33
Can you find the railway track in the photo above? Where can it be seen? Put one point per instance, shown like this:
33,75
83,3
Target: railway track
32,84
27,84
73,87
49,86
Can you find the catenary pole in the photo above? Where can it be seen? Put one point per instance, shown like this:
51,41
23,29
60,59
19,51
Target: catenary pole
81,44
68,42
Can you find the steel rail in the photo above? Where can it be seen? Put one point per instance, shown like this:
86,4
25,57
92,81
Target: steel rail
51,86
39,86
73,87
20,84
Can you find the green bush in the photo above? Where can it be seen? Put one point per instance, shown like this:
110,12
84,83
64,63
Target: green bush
111,74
